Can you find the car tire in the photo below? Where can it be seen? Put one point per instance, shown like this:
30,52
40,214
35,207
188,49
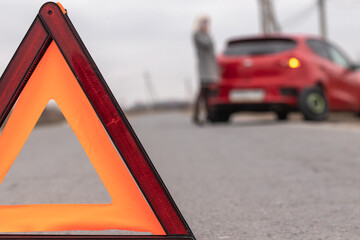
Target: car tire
282,115
218,117
313,104
357,114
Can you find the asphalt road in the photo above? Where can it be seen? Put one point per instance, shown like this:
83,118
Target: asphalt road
252,179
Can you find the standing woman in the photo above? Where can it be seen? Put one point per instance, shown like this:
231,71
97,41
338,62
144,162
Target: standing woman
207,66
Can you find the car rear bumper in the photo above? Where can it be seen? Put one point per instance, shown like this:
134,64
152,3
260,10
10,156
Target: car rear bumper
254,107
275,98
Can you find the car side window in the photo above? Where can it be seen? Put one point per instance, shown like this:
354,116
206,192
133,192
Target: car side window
338,57
318,47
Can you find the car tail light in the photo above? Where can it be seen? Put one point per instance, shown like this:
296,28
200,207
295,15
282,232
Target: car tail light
294,63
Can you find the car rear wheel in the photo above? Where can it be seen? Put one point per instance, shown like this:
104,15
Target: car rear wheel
218,116
282,115
313,104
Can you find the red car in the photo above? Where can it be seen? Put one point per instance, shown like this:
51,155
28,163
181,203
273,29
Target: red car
283,74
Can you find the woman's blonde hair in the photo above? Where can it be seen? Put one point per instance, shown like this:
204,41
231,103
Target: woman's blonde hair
200,21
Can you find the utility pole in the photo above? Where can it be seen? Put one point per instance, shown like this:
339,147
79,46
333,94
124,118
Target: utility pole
322,18
263,16
149,87
268,20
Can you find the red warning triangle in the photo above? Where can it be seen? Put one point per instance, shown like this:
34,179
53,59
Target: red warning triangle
53,63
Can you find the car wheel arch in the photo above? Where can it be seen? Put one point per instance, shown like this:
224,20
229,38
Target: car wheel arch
322,85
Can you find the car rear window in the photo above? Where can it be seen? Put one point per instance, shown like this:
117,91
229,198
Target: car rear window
319,47
258,46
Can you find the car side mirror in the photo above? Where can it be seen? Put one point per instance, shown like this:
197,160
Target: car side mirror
354,67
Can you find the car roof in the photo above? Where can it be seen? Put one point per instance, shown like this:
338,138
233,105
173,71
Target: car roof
296,37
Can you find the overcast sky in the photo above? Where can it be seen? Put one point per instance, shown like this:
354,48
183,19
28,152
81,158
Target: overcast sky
126,38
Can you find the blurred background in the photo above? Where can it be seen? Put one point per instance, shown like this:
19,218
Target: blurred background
144,48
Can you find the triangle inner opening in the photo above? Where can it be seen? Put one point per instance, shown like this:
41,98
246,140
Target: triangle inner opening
52,168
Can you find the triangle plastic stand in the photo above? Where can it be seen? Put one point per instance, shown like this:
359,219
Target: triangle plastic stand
53,63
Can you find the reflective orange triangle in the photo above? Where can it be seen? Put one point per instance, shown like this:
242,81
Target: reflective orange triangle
53,79
155,212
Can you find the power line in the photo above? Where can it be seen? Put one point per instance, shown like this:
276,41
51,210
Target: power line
344,2
300,16
345,5
273,17
268,19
